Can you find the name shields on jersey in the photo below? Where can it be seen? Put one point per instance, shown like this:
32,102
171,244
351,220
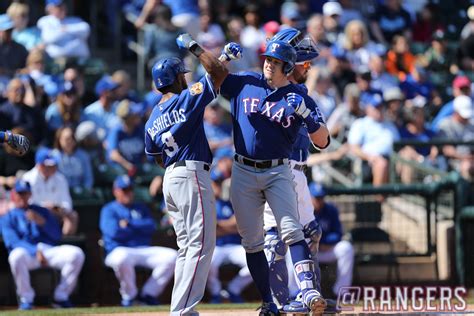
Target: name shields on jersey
166,120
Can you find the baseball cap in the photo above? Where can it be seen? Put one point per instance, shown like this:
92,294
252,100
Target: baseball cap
332,8
127,108
461,82
392,94
316,190
290,10
54,2
6,22
463,106
123,182
271,27
88,129
105,84
470,12
46,157
22,186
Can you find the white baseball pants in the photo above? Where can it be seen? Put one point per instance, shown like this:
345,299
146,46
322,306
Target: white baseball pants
66,258
159,259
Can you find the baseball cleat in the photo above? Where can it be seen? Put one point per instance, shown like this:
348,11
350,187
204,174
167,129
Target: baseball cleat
269,309
317,303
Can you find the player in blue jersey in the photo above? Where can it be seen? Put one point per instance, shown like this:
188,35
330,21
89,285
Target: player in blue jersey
174,135
268,112
18,143
280,275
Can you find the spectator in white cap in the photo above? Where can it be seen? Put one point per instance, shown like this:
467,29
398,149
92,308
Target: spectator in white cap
332,25
89,137
394,98
12,55
63,36
460,127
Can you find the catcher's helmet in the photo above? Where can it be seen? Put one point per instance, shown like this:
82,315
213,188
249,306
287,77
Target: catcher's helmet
282,51
305,47
165,71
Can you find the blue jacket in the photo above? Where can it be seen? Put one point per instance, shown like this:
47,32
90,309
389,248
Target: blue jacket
18,231
328,218
138,232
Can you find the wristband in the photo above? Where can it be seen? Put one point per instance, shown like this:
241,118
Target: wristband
312,125
196,50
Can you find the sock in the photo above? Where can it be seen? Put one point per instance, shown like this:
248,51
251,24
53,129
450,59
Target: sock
258,267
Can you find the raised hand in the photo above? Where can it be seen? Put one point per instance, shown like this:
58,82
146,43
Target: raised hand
232,51
19,143
297,103
185,41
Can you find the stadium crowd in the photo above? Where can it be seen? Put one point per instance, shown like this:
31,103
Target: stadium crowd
388,70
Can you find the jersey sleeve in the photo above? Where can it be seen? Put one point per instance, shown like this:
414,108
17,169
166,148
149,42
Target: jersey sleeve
150,147
198,95
233,84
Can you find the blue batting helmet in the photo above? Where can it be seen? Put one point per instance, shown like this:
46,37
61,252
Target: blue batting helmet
305,47
165,71
282,51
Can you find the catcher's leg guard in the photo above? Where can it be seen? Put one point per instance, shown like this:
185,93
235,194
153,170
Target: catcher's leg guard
275,249
312,232
306,279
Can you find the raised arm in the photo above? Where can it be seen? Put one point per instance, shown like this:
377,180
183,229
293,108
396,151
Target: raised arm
214,66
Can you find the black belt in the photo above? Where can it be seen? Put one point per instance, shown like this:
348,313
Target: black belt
182,163
300,167
262,164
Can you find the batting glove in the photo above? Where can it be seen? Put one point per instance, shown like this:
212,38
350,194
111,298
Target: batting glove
19,143
297,103
185,41
232,51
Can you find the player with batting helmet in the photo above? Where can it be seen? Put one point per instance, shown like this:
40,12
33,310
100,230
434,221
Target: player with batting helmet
268,112
175,137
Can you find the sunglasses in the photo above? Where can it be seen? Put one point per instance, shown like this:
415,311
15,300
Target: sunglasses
305,64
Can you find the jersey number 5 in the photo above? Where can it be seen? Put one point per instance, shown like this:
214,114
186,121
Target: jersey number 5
170,143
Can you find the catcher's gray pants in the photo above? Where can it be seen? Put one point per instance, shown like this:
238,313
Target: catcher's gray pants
250,188
191,206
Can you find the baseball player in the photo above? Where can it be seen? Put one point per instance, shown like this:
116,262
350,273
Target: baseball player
268,112
228,248
175,137
19,143
127,228
31,233
274,249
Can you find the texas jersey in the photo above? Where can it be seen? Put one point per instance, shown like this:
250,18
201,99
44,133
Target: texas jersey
265,126
175,128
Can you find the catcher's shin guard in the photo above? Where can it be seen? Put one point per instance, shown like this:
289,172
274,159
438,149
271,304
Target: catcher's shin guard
275,251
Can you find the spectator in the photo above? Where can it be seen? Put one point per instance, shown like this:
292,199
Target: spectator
414,129
31,233
348,12
63,36
17,114
89,138
29,37
76,76
102,111
394,98
124,90
125,146
12,164
340,69
367,93
400,61
466,53
66,110
315,29
74,163
371,139
461,86
357,45
324,92
345,113
218,133
228,248
439,58
50,189
426,24
468,29
127,228
459,127
185,14
331,246
380,79
210,36
389,20
12,54
160,36
290,15
332,26
252,37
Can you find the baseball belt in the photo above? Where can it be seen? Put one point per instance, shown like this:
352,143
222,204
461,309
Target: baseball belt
182,163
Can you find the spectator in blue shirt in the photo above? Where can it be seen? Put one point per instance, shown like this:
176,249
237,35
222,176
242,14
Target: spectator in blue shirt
331,246
218,133
30,37
74,163
127,228
31,233
124,143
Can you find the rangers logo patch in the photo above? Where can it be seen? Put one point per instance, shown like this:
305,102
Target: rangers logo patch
196,88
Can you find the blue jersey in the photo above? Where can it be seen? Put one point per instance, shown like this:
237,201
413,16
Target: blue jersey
265,127
175,129
224,211
129,145
300,147
328,219
19,232
138,232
